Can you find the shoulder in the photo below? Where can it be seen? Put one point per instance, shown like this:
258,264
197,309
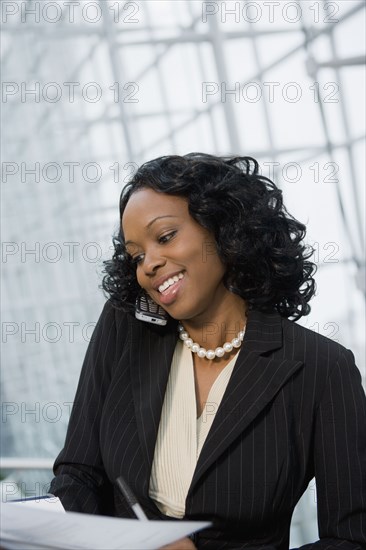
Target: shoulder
269,331
324,359
305,341
112,325
327,364
125,323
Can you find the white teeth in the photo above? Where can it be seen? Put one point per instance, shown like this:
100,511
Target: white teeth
169,282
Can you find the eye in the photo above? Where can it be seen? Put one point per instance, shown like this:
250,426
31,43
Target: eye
161,240
167,237
137,259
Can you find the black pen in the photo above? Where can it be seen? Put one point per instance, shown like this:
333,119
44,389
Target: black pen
131,499
36,499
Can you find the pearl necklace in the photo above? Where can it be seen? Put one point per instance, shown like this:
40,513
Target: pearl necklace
210,354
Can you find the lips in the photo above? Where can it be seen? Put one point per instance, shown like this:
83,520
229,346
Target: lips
170,294
165,278
171,281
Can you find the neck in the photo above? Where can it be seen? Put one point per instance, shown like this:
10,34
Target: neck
213,332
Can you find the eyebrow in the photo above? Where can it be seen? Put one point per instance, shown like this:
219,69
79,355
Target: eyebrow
150,224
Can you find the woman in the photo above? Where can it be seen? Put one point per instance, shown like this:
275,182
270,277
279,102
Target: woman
227,411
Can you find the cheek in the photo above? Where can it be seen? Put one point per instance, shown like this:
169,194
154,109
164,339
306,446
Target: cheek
142,281
208,258
198,249
139,277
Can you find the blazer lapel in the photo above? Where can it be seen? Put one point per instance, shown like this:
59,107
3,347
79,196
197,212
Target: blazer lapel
152,350
254,382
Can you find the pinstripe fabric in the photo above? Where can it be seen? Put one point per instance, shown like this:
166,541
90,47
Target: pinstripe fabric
294,408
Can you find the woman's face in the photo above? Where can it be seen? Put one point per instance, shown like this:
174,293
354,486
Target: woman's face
167,244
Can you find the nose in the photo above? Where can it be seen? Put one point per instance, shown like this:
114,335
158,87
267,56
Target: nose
152,261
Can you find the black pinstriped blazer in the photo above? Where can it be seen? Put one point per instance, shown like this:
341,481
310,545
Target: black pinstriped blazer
294,408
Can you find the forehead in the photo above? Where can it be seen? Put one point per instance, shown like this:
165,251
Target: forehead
146,204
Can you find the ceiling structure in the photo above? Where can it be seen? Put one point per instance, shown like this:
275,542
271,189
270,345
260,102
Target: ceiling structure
93,89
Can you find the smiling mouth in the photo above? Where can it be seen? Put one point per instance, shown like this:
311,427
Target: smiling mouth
171,291
170,282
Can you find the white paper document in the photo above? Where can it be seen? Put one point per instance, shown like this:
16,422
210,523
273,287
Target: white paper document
49,503
28,527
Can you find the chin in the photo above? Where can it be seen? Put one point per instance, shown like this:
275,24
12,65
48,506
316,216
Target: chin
183,315
176,312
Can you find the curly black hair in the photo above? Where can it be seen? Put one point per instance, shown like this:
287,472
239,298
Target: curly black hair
257,239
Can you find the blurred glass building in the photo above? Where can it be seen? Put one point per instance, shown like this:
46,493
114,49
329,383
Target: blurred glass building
90,90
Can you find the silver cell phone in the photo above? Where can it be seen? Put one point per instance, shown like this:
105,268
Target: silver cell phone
148,310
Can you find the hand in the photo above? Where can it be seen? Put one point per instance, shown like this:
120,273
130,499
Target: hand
181,544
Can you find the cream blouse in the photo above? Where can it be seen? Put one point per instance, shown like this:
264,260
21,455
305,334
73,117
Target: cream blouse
181,434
